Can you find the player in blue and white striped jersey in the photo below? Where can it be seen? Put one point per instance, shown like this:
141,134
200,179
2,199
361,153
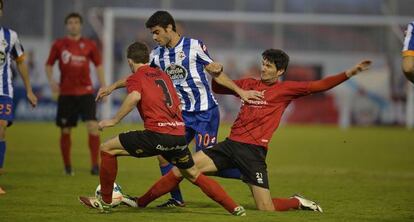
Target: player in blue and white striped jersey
10,49
184,60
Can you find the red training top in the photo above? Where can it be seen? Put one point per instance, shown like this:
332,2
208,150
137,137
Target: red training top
74,57
159,106
257,121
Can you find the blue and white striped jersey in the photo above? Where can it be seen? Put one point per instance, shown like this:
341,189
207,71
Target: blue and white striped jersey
185,65
10,48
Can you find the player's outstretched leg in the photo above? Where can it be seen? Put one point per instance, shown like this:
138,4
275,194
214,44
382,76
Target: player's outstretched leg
176,199
296,202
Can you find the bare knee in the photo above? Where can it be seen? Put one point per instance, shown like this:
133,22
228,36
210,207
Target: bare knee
92,127
190,174
2,132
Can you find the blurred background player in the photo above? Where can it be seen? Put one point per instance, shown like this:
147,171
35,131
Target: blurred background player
152,92
246,147
75,89
408,53
10,49
184,60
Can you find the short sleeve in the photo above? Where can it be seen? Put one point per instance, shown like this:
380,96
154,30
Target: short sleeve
202,53
53,54
17,51
95,54
133,83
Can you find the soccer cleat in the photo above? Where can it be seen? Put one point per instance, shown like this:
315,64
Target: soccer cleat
129,201
96,203
306,204
95,170
171,203
239,211
69,171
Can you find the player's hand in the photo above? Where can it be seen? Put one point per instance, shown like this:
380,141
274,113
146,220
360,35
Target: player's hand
32,99
251,95
214,68
103,92
362,66
106,123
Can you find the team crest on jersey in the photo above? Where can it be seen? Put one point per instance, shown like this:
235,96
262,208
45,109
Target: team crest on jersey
177,73
82,45
2,57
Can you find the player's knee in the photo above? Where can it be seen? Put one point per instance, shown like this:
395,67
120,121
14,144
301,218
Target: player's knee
190,174
92,127
104,147
2,133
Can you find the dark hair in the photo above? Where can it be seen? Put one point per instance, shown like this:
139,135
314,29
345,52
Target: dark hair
162,19
278,57
73,15
138,52
1,3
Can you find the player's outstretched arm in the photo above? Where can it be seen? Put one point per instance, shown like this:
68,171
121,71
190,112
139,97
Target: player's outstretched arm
107,90
332,81
129,103
216,71
24,73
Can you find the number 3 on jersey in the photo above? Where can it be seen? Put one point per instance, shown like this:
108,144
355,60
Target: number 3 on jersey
167,96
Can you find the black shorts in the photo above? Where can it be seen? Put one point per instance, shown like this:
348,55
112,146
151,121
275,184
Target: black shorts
71,107
249,159
147,143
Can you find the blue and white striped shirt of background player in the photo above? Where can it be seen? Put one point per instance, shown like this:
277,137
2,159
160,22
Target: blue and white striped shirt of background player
408,48
185,65
10,48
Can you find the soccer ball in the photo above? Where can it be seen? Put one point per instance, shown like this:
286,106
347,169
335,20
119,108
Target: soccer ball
116,194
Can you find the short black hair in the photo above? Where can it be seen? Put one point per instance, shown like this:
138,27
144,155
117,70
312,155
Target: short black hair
73,15
277,57
1,4
138,52
162,19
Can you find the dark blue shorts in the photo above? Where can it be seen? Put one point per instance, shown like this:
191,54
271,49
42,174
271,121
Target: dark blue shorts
6,109
202,126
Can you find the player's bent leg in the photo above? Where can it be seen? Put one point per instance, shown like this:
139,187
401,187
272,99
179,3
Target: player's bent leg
176,199
262,198
93,142
65,146
408,67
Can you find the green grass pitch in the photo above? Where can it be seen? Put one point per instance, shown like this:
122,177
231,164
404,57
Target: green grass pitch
360,174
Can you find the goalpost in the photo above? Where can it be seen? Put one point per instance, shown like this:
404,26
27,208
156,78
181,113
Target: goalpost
113,13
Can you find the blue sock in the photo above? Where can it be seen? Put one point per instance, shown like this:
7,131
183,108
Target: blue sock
175,194
233,173
2,152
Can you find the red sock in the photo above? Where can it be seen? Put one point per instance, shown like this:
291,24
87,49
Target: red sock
164,185
65,148
107,175
285,204
94,148
212,189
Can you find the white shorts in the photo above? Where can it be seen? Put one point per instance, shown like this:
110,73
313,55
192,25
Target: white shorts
408,49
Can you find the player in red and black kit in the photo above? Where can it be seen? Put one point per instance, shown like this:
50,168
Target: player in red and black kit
75,90
247,145
152,92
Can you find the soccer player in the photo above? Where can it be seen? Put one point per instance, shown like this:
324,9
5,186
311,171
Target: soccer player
247,145
184,60
152,92
10,49
408,53
75,89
